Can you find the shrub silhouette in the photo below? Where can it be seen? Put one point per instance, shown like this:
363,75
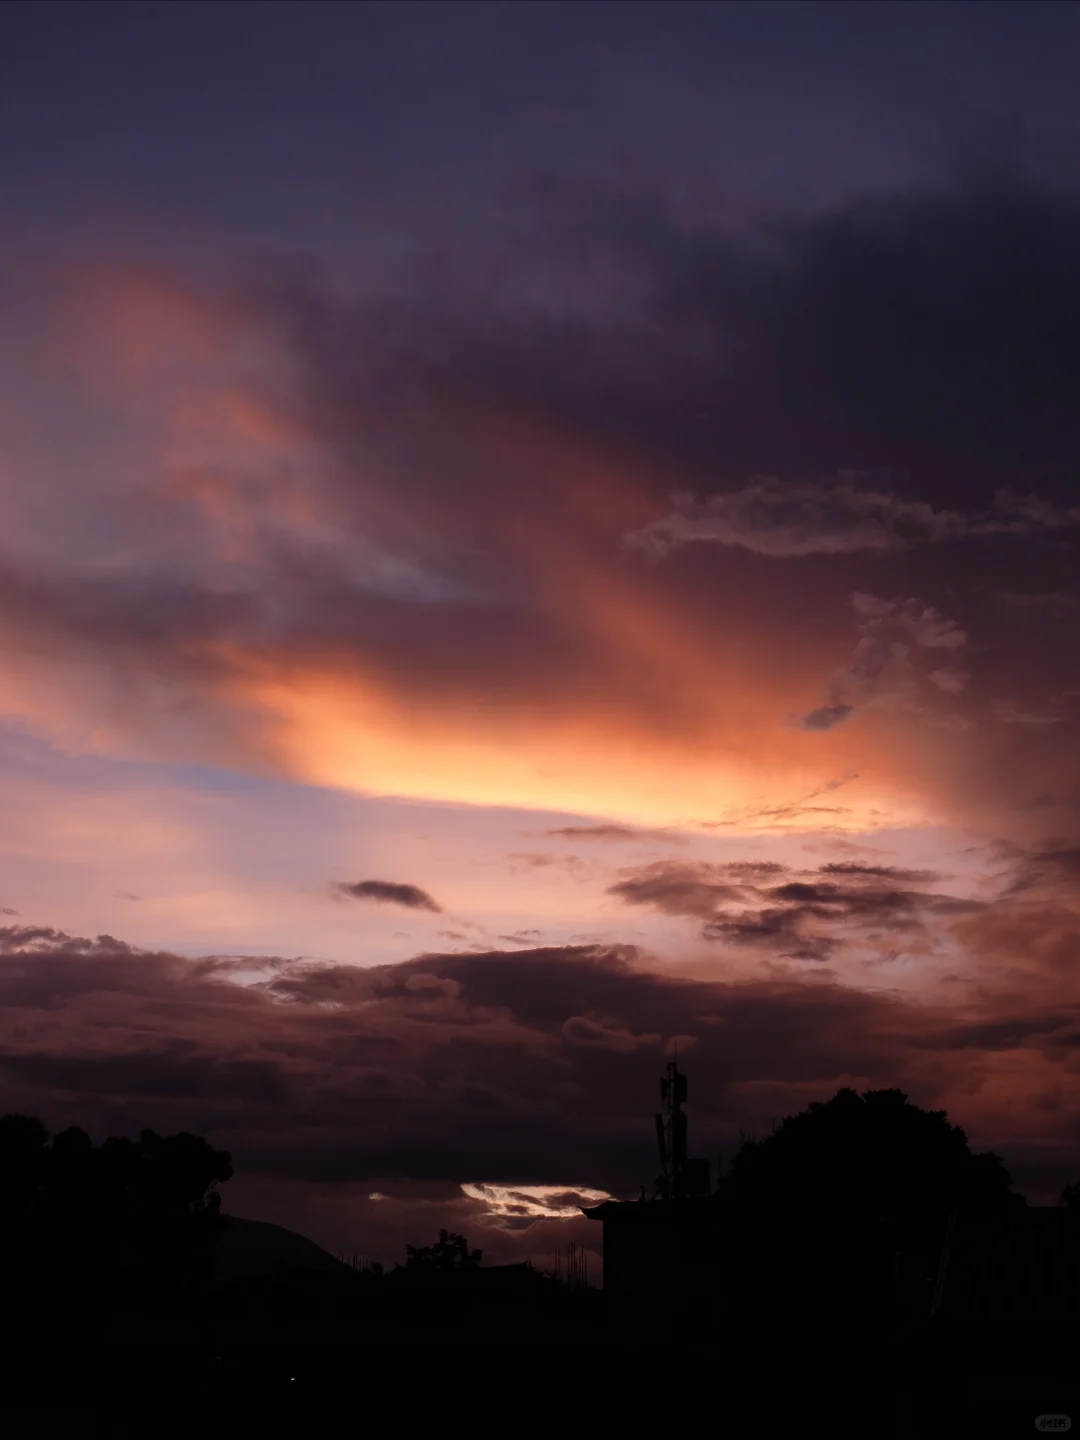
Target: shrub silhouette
449,1253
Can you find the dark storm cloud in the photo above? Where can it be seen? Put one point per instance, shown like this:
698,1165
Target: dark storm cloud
580,1030
824,717
865,907
935,331
1047,868
751,872
855,870
1054,602
178,1072
387,892
932,334
776,930
805,918
828,897
504,1067
676,889
1014,1033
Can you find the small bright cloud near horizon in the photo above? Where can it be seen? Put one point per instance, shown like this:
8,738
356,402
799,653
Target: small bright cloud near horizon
481,597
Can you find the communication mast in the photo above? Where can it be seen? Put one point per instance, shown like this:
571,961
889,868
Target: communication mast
680,1177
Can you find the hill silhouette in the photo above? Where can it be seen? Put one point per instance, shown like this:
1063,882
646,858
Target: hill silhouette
248,1249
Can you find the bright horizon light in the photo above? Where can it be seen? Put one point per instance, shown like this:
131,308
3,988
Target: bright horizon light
549,1202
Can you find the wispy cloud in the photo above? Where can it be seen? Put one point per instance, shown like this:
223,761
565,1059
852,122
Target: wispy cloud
788,519
677,889
386,892
882,666
804,915
616,834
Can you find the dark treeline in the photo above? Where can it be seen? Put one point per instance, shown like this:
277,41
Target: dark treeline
824,1235
96,1238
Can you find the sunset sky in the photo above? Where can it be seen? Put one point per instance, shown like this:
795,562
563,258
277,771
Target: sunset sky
532,534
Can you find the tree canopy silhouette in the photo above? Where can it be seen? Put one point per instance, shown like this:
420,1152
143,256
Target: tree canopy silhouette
450,1252
875,1155
121,1223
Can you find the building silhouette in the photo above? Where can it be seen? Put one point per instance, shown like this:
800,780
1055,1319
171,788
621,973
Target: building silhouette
665,1267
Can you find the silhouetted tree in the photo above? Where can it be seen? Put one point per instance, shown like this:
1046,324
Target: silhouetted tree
450,1252
874,1155
838,1202
85,1227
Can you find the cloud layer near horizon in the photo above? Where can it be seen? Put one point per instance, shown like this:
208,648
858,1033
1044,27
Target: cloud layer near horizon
512,1069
